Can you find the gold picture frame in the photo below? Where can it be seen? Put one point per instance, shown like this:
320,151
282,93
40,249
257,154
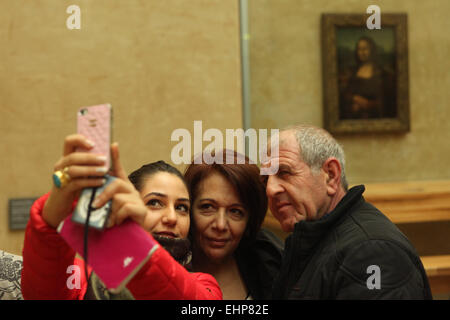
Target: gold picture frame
365,74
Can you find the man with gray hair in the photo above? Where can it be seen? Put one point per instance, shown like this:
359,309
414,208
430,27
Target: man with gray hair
340,246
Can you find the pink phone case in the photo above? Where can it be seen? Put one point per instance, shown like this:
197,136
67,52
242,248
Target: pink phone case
95,123
115,254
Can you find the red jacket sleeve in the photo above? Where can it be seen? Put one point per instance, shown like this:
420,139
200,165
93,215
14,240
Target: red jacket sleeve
46,261
46,273
162,278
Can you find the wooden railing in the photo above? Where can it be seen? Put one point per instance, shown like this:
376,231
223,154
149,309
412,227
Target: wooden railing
411,202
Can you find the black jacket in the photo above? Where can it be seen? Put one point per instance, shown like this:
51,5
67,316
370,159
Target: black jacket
334,257
259,263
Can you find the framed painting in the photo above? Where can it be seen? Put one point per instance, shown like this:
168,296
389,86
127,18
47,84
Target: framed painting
365,74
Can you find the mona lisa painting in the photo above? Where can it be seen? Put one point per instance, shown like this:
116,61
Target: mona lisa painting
365,74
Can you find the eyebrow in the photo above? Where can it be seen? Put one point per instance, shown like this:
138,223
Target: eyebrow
212,200
156,194
162,195
283,167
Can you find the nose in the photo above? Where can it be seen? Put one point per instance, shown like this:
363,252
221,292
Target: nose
273,187
170,217
220,221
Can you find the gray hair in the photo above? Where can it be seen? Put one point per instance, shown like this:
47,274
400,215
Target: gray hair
316,146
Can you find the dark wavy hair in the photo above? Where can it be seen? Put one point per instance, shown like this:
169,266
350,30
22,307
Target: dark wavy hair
138,176
245,178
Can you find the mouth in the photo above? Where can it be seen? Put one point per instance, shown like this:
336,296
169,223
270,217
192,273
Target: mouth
282,205
166,234
217,242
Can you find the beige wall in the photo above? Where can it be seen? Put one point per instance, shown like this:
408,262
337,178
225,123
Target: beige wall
161,64
286,83
164,64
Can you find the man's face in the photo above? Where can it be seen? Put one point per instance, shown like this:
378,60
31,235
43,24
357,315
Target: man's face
295,192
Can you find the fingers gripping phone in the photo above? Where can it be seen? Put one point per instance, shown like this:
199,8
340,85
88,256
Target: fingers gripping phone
95,123
98,217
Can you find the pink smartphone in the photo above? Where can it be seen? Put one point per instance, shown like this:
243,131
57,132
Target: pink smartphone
115,254
95,123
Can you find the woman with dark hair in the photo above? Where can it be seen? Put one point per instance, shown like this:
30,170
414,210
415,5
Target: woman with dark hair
229,205
155,196
165,193
367,89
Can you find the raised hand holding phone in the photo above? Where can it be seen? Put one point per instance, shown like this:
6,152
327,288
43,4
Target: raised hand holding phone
117,253
85,171
95,123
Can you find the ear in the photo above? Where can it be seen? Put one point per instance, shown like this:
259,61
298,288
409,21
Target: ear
332,169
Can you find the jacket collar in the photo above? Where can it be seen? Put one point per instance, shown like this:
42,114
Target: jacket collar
307,233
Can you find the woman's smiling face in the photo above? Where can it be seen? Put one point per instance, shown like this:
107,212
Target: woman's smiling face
167,199
219,218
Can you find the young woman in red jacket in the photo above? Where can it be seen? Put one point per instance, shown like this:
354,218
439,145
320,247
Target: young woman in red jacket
159,203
